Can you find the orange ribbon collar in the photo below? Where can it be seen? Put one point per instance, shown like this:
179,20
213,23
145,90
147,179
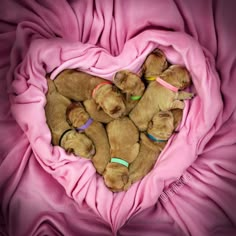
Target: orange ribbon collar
98,86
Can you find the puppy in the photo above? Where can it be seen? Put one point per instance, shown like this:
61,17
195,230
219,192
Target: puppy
124,148
154,65
80,86
80,119
162,95
159,131
97,115
131,85
62,133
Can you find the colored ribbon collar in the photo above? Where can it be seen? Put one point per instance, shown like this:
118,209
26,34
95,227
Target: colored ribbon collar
98,86
135,98
66,131
120,161
86,125
167,85
155,139
150,78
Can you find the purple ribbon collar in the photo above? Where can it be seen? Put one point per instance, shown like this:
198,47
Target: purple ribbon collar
86,125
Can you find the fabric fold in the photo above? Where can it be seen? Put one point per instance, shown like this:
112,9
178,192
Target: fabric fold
38,179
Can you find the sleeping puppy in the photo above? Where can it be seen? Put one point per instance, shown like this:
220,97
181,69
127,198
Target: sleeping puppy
80,86
131,85
124,148
162,95
152,143
80,119
62,133
97,115
154,65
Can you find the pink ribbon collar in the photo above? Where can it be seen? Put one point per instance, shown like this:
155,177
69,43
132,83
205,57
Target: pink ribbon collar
166,85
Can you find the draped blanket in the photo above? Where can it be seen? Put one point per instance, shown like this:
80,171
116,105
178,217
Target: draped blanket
192,188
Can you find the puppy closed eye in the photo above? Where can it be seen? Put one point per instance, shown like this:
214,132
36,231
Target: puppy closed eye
163,114
115,110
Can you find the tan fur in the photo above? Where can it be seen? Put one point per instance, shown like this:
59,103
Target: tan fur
110,101
131,85
55,111
79,86
158,98
161,127
96,132
97,115
123,137
178,114
116,177
154,64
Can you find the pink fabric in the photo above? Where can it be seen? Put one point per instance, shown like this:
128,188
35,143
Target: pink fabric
191,190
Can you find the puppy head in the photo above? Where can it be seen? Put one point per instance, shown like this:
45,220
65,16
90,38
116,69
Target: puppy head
113,104
115,176
154,64
76,115
78,144
129,83
162,125
178,76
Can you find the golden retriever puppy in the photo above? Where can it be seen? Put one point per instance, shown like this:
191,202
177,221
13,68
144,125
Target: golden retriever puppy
152,143
97,115
80,119
62,133
154,65
162,95
80,86
131,85
124,148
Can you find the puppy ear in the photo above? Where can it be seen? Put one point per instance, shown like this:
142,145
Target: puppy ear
158,52
119,77
72,106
